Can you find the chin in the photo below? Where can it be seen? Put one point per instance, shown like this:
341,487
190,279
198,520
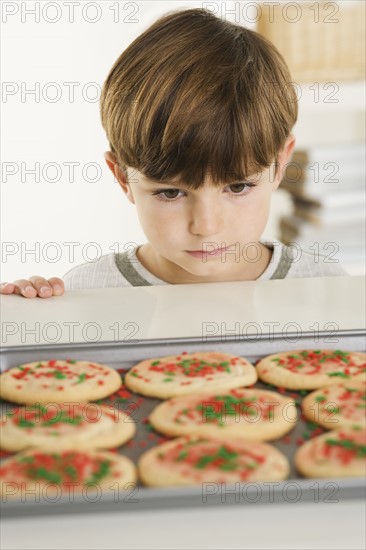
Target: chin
204,270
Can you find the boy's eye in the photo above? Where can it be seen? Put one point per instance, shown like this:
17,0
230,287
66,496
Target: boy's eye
169,193
241,188
238,187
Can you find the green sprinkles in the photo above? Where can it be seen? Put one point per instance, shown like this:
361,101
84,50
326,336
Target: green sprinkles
228,460
64,419
42,473
59,375
311,425
102,472
186,364
182,455
205,461
25,423
26,459
71,471
228,407
349,445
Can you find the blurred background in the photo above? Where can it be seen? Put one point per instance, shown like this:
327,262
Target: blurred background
60,203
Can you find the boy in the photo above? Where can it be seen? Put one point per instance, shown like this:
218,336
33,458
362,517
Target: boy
198,112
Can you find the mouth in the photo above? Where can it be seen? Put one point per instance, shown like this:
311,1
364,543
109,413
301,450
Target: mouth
206,252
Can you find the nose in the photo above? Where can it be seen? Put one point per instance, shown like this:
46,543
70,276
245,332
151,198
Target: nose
206,218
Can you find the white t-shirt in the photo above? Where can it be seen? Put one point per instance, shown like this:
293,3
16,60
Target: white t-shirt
124,269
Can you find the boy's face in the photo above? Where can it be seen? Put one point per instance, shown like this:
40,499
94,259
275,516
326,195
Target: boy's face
178,221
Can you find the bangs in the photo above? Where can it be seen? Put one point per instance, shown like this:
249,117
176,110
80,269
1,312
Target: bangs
195,97
194,134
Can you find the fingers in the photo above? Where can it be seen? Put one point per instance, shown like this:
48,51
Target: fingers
6,288
57,285
45,288
34,286
23,287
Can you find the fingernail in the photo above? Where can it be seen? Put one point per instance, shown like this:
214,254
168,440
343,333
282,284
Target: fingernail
45,290
28,289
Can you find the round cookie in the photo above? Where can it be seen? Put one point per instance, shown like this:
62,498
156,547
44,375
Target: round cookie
63,426
241,413
339,453
34,474
312,369
189,373
191,461
58,381
337,406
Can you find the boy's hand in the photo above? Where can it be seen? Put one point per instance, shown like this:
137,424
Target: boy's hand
34,286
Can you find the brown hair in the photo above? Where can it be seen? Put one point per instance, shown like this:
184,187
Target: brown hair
196,95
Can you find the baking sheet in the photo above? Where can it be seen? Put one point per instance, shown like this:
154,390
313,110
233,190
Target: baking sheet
122,357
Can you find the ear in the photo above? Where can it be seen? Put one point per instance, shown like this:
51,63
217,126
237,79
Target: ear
119,174
283,158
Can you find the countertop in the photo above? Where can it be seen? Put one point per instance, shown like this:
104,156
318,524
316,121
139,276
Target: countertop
184,311
189,311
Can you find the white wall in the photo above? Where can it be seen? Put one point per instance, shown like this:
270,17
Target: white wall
43,215
36,213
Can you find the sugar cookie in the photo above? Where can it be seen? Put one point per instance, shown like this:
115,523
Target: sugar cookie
339,453
312,369
190,461
35,473
58,381
188,373
337,406
241,413
63,426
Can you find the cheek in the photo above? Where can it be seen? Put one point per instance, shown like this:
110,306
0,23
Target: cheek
263,205
257,205
254,214
158,219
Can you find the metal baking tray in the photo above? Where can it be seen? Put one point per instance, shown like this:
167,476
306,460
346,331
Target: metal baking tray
122,356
